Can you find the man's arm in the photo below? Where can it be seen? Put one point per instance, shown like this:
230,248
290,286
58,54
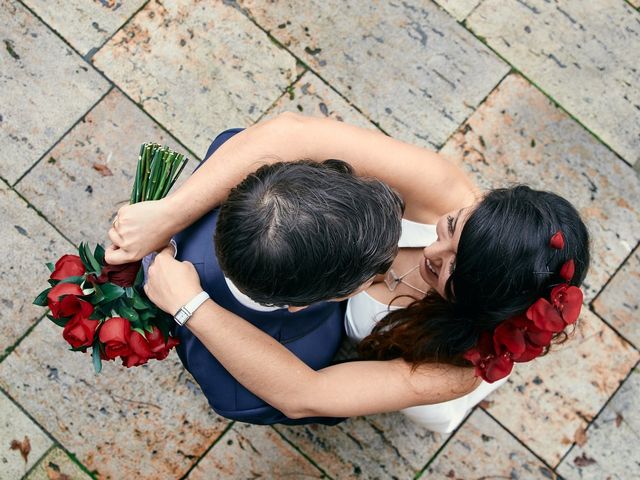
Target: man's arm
429,184
277,376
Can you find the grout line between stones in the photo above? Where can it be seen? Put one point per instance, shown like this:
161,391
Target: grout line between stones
215,442
615,330
14,345
618,268
39,462
301,452
484,41
595,417
92,51
496,86
529,449
421,472
107,79
278,43
287,91
66,132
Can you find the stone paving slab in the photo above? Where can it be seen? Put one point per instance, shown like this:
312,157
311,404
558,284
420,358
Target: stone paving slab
253,451
146,422
459,9
57,465
16,426
519,136
611,448
311,96
585,55
619,302
378,446
86,199
44,88
197,67
25,275
546,403
482,449
407,65
93,22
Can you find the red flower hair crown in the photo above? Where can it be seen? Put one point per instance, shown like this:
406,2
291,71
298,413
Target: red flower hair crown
524,337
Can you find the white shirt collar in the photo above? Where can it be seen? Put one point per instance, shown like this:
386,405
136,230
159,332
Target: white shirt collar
246,301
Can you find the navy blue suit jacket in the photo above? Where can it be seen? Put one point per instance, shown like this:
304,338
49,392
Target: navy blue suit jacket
313,334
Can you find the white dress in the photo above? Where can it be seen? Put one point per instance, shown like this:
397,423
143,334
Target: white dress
363,311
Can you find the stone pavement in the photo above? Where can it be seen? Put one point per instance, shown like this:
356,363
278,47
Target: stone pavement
544,92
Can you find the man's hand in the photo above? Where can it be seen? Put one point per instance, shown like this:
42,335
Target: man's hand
138,230
170,283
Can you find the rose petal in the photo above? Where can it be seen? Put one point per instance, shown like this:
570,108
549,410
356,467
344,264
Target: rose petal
497,368
545,316
68,266
509,336
557,241
570,303
139,345
567,270
115,329
531,352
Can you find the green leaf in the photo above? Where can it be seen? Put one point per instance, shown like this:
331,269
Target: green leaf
138,302
139,278
127,312
111,292
96,267
97,296
95,355
50,266
61,322
140,331
98,254
76,279
97,314
41,299
83,257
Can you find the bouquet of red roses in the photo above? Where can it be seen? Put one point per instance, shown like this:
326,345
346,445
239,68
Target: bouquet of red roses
102,306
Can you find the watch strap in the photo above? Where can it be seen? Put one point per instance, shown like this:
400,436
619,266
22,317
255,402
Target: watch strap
186,311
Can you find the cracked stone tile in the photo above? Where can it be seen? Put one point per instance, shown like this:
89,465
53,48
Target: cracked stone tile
145,422
16,426
619,302
519,136
611,446
482,449
86,199
253,451
459,9
408,65
310,96
44,88
547,402
378,446
585,55
85,25
55,465
197,67
23,276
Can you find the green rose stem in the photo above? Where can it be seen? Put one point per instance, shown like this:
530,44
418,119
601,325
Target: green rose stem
157,171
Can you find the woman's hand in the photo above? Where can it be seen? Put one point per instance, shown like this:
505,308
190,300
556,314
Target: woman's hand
138,230
170,283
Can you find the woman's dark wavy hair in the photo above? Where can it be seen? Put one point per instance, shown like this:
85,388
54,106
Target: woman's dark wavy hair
503,265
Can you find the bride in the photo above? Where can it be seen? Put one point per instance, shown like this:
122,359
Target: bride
480,281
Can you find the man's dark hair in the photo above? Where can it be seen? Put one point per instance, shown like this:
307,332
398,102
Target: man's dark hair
303,232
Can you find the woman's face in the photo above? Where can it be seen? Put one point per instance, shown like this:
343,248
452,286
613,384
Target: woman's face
440,256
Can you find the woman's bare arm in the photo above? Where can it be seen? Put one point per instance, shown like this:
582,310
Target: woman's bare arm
429,184
277,376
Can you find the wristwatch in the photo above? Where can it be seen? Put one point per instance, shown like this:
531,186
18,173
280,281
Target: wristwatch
184,313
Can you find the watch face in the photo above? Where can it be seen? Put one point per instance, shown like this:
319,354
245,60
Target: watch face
181,317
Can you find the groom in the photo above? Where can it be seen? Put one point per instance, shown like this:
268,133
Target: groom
290,242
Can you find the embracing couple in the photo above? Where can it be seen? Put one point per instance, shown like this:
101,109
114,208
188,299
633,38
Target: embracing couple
442,288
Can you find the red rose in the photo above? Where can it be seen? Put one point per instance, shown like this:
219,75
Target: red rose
80,331
140,351
71,305
115,333
568,301
545,316
158,346
68,266
53,298
123,275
